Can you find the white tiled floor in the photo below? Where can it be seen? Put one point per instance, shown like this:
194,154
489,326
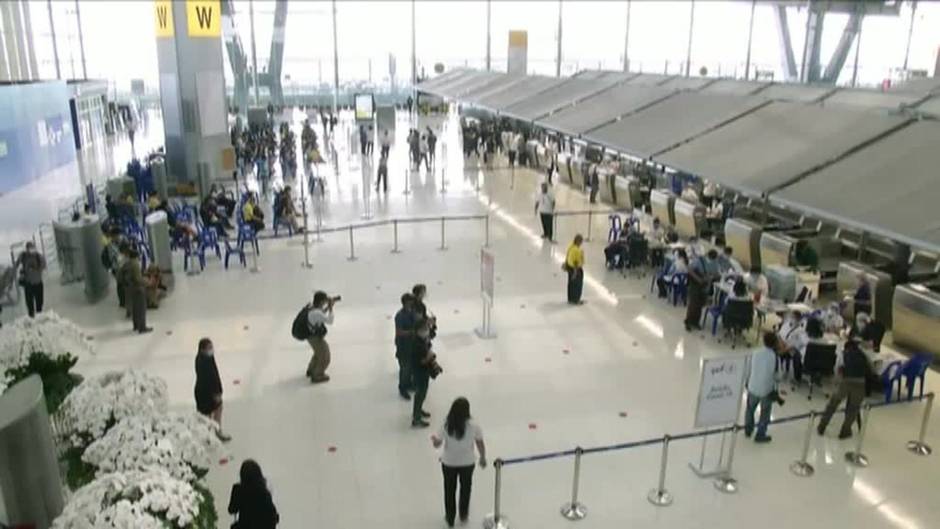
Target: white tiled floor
627,354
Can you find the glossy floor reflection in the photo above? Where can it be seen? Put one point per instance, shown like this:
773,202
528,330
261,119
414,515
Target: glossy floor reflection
620,368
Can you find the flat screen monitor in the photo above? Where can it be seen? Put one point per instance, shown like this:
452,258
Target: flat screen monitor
365,107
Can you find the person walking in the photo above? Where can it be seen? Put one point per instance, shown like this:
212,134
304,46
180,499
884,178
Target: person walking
574,266
318,317
135,290
423,153
251,500
381,175
761,388
458,436
208,388
855,371
404,342
31,265
432,145
545,207
420,373
385,144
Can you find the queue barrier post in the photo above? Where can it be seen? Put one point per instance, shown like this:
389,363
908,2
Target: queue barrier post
352,247
303,207
802,467
395,233
512,177
856,457
496,520
726,483
659,496
407,179
443,245
920,447
575,510
486,229
443,181
590,217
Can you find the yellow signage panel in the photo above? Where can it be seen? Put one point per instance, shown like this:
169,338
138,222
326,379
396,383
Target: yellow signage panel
163,17
204,18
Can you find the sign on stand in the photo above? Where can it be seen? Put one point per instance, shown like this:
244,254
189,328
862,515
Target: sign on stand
721,390
487,285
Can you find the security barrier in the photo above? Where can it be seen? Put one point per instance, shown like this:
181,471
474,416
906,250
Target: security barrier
725,482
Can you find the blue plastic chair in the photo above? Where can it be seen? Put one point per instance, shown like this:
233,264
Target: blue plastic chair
891,376
238,249
615,227
680,288
715,312
189,253
248,234
208,240
916,369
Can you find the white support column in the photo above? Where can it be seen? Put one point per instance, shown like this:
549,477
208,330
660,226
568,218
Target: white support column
81,39
558,56
335,63
626,40
55,45
688,53
254,49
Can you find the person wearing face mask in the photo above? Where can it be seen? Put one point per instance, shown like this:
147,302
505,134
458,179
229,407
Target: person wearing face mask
420,293
420,372
31,265
208,389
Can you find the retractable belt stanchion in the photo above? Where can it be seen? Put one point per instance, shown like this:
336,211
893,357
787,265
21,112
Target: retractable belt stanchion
395,233
512,176
496,520
856,457
726,483
802,467
303,209
590,218
575,510
486,229
660,496
443,181
443,245
919,447
352,246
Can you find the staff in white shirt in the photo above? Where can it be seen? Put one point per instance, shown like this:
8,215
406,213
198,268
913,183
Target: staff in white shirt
459,435
545,207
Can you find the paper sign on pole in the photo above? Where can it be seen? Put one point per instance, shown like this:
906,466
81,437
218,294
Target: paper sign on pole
720,391
487,271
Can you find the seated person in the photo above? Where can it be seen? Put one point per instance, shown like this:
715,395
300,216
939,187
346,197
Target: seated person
252,214
287,211
178,228
679,265
695,248
793,338
690,194
156,290
728,265
739,291
615,254
226,205
805,256
862,298
211,218
869,330
832,318
657,241
758,284
153,201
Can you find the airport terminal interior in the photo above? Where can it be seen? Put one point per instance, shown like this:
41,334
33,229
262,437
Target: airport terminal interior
636,229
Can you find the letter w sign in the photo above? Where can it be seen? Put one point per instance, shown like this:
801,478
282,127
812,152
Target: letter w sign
204,18
163,17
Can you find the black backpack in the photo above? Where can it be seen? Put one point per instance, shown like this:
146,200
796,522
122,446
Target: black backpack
300,329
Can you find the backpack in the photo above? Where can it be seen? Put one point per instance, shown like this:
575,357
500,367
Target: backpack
300,329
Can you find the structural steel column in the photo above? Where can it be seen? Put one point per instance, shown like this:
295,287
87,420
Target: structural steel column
688,53
30,48
55,45
20,48
626,41
858,46
335,62
910,33
9,41
81,39
254,49
414,56
489,34
558,56
750,39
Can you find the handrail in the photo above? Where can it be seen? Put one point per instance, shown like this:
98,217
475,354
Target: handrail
678,437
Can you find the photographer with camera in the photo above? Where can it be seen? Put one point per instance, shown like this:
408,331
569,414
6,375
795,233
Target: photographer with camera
420,293
424,367
319,316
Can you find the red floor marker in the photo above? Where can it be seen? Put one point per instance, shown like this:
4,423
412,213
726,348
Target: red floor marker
331,449
533,426
223,461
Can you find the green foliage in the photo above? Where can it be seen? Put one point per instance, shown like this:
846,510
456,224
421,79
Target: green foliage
77,472
208,517
57,381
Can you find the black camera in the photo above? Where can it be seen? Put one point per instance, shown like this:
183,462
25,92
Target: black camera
434,369
334,299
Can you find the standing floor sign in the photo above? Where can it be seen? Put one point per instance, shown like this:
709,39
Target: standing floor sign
487,285
720,391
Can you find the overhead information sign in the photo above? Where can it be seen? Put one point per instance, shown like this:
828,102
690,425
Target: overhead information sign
163,17
204,18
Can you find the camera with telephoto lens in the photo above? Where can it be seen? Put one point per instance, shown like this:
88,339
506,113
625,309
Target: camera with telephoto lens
334,299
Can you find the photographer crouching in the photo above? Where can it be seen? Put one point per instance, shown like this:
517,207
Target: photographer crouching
424,368
319,315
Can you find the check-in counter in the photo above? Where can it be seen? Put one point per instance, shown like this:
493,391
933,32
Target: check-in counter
565,168
882,288
744,239
776,248
690,218
662,202
916,315
532,150
578,168
626,192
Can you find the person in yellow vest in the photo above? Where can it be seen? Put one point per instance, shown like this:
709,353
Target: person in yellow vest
252,214
574,265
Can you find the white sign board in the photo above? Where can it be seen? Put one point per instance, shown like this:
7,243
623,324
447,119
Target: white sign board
720,391
487,272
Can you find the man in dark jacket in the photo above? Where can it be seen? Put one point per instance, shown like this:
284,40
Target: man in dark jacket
855,371
404,340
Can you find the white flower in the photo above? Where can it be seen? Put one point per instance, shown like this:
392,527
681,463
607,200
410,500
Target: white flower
133,500
46,333
100,402
182,444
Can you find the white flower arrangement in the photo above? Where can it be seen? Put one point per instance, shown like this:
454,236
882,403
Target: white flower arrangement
183,444
46,333
100,402
133,500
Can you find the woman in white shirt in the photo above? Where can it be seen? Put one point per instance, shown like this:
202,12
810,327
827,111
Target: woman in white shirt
458,436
